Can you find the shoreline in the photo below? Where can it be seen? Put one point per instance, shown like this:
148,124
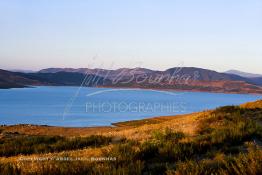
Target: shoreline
119,124
139,88
179,90
31,129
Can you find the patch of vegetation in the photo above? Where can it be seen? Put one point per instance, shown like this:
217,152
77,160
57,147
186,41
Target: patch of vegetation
136,123
230,126
9,169
45,144
223,134
168,136
228,141
249,163
64,168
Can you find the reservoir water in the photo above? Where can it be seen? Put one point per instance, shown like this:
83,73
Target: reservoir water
77,107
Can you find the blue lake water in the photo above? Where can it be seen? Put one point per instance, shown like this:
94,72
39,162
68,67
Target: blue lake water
73,106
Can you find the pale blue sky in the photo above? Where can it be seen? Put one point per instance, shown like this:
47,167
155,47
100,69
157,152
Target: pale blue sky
157,34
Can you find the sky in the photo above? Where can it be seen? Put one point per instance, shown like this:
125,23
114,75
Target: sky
155,34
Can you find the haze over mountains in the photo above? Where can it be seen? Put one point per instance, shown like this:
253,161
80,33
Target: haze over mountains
177,78
243,74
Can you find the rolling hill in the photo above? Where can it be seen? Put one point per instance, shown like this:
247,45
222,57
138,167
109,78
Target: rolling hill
126,73
18,80
14,80
177,78
243,74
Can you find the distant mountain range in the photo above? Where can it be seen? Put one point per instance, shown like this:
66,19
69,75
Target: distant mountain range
177,78
243,74
17,79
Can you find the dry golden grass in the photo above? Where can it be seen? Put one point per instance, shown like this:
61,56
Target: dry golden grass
56,131
87,152
256,104
31,163
139,130
185,123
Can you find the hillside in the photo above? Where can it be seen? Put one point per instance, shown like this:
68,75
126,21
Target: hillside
226,140
17,80
14,80
243,74
202,74
177,78
66,78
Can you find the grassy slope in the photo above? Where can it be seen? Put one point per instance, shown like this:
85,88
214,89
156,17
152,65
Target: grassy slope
225,141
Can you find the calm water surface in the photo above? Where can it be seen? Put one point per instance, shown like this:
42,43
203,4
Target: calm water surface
73,106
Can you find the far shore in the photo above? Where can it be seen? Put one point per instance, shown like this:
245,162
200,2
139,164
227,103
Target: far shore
141,88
